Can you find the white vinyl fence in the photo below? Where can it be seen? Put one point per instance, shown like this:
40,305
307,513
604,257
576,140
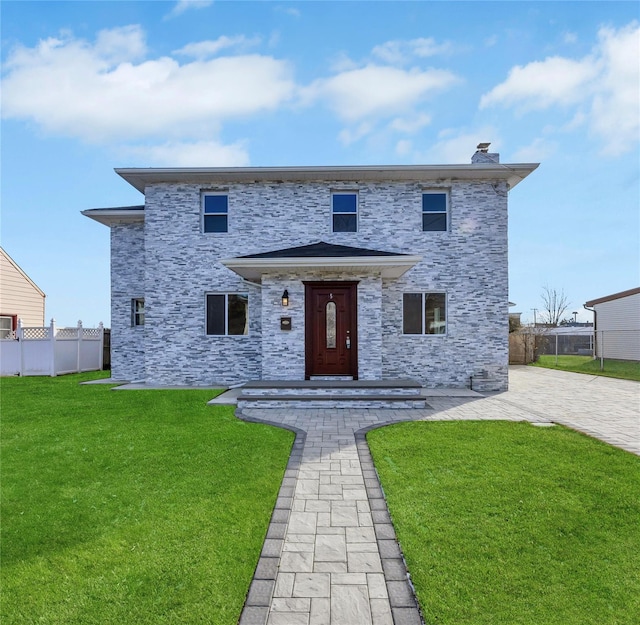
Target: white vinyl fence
48,350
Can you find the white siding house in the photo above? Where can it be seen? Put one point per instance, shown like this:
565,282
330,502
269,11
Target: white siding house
617,325
20,297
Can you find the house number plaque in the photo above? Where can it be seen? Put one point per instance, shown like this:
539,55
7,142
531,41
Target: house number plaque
285,323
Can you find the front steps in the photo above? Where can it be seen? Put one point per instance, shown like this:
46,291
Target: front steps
331,394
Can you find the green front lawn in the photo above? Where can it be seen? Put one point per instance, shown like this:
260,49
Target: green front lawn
510,524
130,506
625,369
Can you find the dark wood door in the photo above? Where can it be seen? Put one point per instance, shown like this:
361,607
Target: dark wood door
331,329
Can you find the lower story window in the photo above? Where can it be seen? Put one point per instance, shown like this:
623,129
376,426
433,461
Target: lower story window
7,325
137,311
228,314
424,313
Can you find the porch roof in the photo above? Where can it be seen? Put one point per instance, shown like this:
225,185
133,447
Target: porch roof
116,215
322,255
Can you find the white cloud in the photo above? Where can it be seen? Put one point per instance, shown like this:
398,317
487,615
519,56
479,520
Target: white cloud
204,49
105,91
614,111
458,146
378,91
491,41
538,150
398,51
288,10
540,84
410,124
603,88
570,38
348,136
191,154
404,147
184,5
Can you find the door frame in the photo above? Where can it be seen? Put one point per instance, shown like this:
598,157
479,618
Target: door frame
309,287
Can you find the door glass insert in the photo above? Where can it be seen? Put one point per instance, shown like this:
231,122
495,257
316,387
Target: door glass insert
331,325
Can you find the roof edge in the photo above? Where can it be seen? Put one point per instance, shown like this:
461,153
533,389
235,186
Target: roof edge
110,216
609,298
22,272
139,177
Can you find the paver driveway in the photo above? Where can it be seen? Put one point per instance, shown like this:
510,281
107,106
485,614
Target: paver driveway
330,557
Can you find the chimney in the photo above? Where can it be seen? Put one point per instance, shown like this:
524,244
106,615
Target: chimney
483,155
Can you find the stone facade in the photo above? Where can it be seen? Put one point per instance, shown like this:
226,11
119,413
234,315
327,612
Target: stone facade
170,262
127,283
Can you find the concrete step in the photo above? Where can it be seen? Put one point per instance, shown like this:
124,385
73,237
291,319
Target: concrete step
326,401
331,394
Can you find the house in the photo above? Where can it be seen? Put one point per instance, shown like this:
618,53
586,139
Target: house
20,297
226,275
616,321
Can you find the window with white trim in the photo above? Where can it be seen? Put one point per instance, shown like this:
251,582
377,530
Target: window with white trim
424,313
227,314
215,212
6,326
344,208
435,210
137,311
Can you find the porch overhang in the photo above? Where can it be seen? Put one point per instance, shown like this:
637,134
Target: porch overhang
321,257
117,215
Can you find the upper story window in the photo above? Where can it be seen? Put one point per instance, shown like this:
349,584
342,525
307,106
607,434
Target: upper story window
137,311
435,208
215,212
424,313
344,207
228,314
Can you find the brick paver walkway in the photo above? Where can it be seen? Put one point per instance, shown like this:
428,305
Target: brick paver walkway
330,557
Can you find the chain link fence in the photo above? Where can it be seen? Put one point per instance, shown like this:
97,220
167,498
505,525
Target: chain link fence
528,343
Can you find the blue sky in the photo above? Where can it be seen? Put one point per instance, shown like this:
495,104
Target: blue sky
89,86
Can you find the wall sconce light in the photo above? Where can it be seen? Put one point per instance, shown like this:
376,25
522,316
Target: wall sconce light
285,298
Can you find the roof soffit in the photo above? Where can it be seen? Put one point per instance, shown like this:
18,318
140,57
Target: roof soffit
140,178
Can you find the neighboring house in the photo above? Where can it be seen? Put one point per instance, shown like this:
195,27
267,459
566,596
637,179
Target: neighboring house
617,325
287,273
20,297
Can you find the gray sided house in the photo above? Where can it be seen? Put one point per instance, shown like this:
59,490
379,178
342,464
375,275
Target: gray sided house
227,275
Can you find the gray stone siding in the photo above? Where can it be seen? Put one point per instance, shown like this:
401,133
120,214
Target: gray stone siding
181,265
127,282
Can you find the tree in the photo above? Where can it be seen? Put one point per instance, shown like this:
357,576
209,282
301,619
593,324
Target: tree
555,303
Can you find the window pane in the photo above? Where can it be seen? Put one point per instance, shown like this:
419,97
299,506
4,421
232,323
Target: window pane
434,202
331,325
345,223
434,313
434,222
215,314
215,223
412,313
6,325
137,310
238,313
345,203
216,203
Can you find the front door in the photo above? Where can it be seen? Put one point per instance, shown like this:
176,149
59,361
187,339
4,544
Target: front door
331,329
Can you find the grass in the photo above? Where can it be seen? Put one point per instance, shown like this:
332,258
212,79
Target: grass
509,524
624,369
130,506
